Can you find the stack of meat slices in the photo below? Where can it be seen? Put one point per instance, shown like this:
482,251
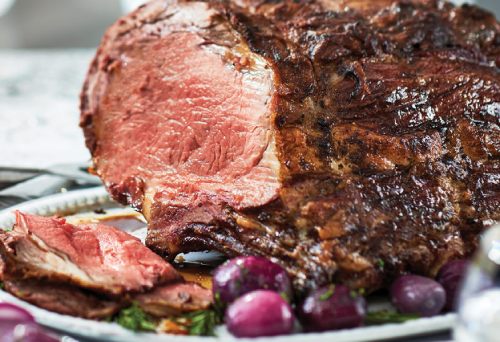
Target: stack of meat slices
90,270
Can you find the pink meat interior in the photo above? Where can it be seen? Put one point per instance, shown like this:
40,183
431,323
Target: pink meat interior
93,255
180,116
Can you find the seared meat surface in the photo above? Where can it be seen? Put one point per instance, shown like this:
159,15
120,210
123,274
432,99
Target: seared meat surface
90,271
62,298
349,140
173,299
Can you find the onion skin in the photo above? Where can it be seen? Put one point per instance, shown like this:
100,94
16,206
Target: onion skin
29,333
242,275
12,313
413,294
450,276
17,324
332,307
260,313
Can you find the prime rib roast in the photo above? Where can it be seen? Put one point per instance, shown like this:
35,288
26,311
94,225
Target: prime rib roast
90,270
348,140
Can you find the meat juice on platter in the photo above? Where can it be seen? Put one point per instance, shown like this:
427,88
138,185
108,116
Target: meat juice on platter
329,148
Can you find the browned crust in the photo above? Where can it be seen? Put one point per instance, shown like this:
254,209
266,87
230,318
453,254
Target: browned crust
386,119
63,299
174,299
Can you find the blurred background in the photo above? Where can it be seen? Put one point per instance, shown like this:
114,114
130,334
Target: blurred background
76,23
45,50
57,23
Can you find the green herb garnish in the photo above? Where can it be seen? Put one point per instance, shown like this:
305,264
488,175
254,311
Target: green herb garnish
387,316
328,293
1,285
197,323
357,293
134,318
219,306
202,323
285,297
380,263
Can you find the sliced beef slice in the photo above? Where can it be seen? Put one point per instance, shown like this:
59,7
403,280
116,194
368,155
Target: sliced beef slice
90,271
173,299
93,256
63,299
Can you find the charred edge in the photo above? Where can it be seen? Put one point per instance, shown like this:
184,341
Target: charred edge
67,300
130,192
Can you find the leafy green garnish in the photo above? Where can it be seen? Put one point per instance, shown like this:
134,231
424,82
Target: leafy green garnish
380,263
202,323
328,293
387,316
197,323
1,285
219,306
357,293
134,318
285,296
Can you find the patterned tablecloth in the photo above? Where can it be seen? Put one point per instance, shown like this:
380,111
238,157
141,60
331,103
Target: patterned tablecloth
39,102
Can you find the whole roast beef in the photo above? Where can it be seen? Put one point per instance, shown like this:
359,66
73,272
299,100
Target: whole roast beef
349,140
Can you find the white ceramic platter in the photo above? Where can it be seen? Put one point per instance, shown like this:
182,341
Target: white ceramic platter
87,200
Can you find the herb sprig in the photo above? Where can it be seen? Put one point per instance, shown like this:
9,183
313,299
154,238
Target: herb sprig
134,318
203,323
328,293
197,323
388,316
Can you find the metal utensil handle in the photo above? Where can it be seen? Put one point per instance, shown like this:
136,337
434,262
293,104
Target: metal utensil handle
70,171
37,187
21,169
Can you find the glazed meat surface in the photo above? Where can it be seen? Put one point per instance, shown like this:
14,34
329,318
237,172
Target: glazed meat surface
349,140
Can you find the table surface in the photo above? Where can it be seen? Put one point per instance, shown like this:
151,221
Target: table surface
39,93
39,99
